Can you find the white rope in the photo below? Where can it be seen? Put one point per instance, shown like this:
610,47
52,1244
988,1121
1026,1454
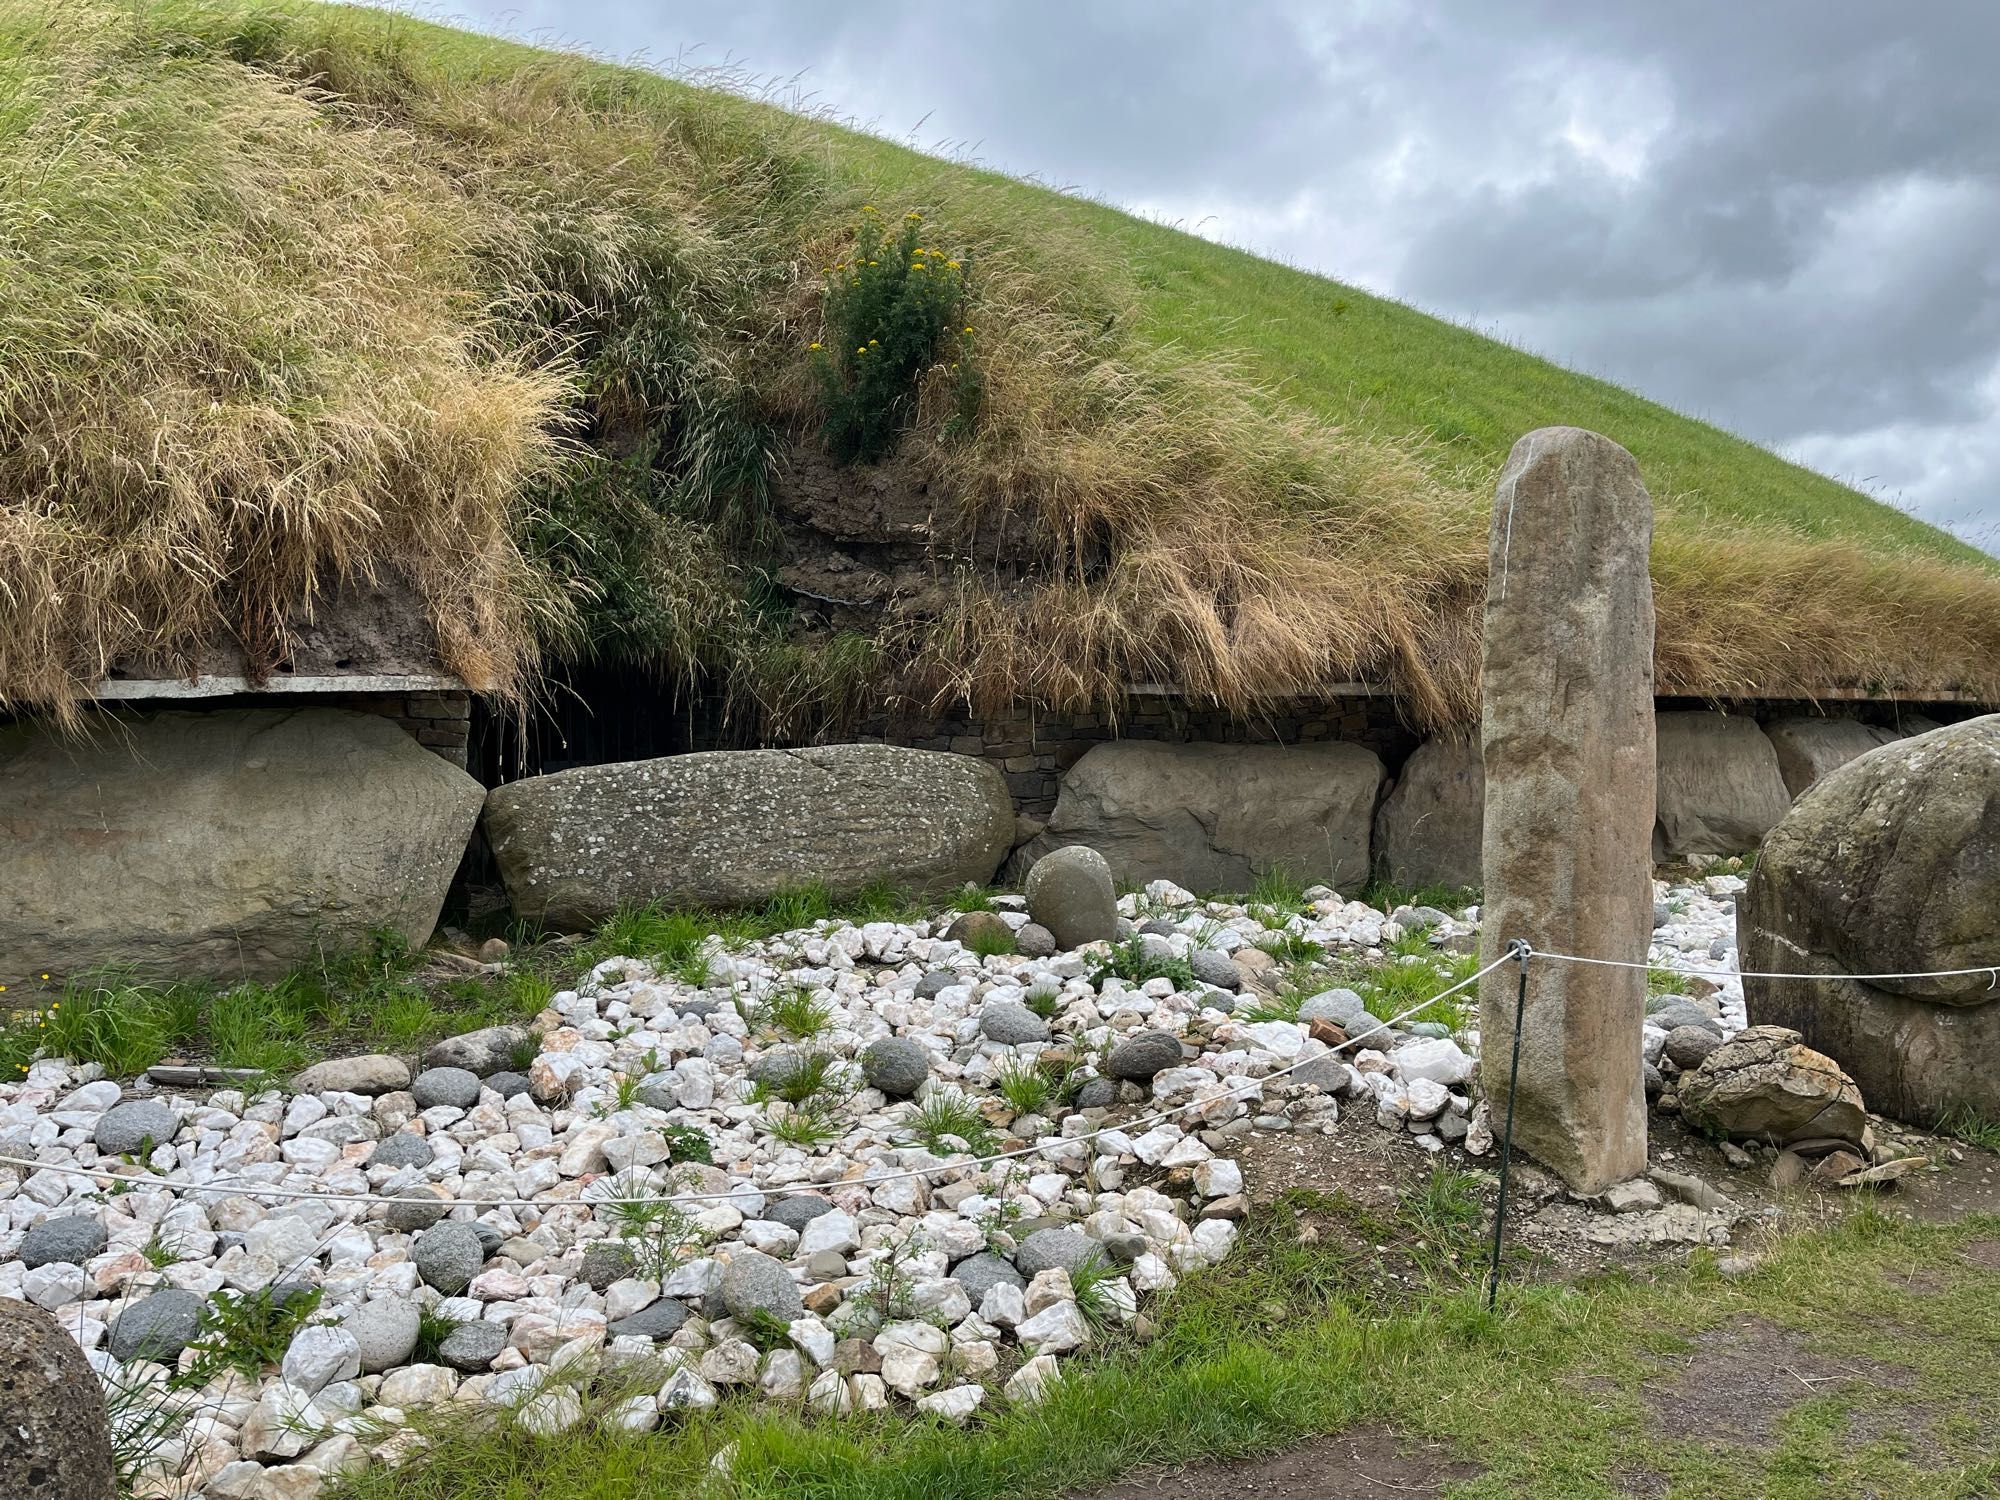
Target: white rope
1990,970
1061,1143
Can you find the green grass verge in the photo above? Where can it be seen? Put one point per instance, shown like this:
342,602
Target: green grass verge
1289,1339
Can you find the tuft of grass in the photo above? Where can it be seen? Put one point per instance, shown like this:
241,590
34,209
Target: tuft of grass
812,1073
807,1125
990,943
1392,988
971,898
1087,1281
1967,1124
946,1116
1024,1086
433,1328
797,1013
1043,997
1278,889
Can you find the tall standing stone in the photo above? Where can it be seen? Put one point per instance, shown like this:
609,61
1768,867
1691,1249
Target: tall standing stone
1567,729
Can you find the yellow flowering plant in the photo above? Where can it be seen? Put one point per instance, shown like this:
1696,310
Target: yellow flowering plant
897,304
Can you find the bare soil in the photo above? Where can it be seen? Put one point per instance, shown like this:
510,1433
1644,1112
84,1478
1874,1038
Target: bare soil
1364,1461
1738,1383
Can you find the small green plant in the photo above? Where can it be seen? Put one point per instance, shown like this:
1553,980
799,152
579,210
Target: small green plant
1967,1124
1044,998
1276,889
944,1116
245,1331
890,1281
1024,1086
798,1013
687,1143
1405,984
1093,1296
433,1328
990,942
804,1125
807,1076
893,311
655,1229
1131,962
997,1223
765,1329
971,898
1291,948
161,1252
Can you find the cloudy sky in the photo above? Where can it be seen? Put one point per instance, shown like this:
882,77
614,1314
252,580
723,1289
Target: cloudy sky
1782,216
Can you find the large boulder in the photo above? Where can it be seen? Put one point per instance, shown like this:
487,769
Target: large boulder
1214,817
1810,749
55,1441
734,827
1891,865
1428,831
1765,1084
1720,789
232,844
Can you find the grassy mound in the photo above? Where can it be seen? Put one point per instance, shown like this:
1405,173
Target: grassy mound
291,293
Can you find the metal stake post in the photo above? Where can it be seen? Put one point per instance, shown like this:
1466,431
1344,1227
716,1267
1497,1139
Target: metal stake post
1522,952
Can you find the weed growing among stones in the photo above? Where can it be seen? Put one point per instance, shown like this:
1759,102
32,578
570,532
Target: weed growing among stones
796,1013
245,1331
655,1229
805,1125
1024,1086
688,1143
433,1328
947,1123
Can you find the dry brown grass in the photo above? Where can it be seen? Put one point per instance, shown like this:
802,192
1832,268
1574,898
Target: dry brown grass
294,293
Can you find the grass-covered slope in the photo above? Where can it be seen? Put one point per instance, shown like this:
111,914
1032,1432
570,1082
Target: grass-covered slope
289,291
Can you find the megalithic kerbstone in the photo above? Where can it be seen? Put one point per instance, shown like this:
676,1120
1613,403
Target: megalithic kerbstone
1567,741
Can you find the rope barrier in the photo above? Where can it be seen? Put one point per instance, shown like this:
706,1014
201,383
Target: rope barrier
1990,970
1144,1122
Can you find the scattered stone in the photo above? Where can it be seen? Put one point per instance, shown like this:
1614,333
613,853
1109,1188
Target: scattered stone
1140,1057
481,1053
414,1209
472,1347
385,1332
456,1087
659,1320
896,1065
135,1126
156,1327
1033,940
753,1283
1764,1084
448,1255
373,1074
402,1149
1011,1024
980,1273
1047,1248
69,1240
1071,893
1218,969
1688,1047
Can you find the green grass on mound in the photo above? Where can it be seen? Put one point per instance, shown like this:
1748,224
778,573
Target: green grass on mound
292,291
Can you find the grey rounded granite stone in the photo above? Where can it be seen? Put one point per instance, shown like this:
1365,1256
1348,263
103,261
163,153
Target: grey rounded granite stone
448,1255
507,1085
1222,1000
471,1347
385,1331
1033,940
1140,1057
126,1128
700,1008
401,1149
1433,1030
659,1320
606,1262
980,1273
895,1065
1125,1248
1687,1047
1070,891
1010,1024
285,1293
798,1210
408,1218
490,1239
1218,969
454,1087
1097,1093
654,1096
1653,1081
935,983
1675,1011
752,1282
73,1238
1157,927
158,1327
1071,1249
1343,1008
488,1050
774,1067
